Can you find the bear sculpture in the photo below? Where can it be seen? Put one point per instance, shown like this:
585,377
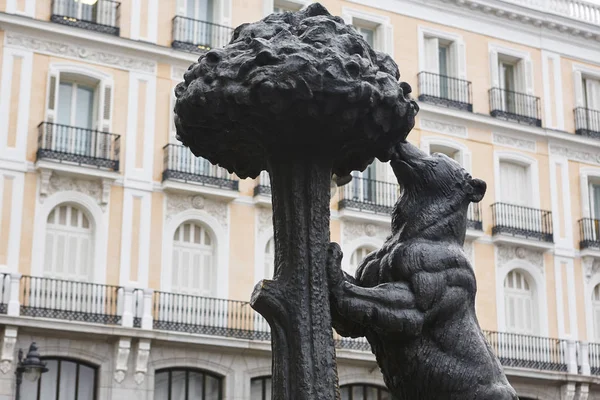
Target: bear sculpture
414,299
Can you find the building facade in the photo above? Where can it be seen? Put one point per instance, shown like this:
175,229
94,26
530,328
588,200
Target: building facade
130,262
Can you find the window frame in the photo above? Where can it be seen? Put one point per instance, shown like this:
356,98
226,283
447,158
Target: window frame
95,368
456,56
365,386
383,38
187,371
528,294
263,380
532,174
524,78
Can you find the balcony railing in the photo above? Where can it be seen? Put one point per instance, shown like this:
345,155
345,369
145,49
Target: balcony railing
587,122
71,300
474,220
100,17
579,10
445,91
4,292
514,106
78,145
516,220
182,165
525,351
368,195
264,184
198,36
589,233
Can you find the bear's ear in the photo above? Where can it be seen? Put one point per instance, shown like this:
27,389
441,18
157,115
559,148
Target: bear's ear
476,190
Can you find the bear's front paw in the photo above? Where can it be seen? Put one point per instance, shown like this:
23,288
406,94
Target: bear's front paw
335,275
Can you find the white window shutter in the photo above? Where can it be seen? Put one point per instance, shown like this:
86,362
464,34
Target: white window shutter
461,59
593,94
106,102
494,70
528,76
181,9
432,57
466,160
578,84
172,128
52,96
387,34
347,17
225,12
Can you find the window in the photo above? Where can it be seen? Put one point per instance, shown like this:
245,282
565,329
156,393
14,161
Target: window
591,93
69,244
260,388
187,384
285,6
451,152
595,200
519,303
65,379
596,311
200,10
193,260
364,392
375,29
364,184
512,84
514,184
367,33
270,259
357,258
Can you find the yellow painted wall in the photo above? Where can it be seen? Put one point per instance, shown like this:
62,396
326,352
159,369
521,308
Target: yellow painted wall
241,251
485,273
115,221
156,231
166,12
27,227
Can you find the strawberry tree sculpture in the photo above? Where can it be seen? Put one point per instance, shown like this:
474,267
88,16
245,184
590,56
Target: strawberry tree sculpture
303,96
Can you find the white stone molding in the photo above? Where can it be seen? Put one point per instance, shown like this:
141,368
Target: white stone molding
9,342
177,72
532,171
583,390
589,157
384,30
584,181
262,237
514,142
264,219
216,228
591,267
567,391
105,197
363,241
177,203
556,83
29,11
17,180
352,230
122,350
443,127
79,52
510,258
457,48
141,360
45,175
463,150
97,217
14,304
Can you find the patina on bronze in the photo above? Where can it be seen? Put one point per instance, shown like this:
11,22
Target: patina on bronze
301,95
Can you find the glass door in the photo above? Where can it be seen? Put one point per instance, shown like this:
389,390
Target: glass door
75,116
507,86
199,29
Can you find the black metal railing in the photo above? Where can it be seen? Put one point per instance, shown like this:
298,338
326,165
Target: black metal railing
71,300
526,351
522,221
5,292
587,122
181,164
198,36
445,91
103,16
209,316
474,220
78,145
264,184
589,233
514,106
368,195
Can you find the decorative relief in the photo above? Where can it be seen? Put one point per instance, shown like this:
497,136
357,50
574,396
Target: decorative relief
177,203
354,230
443,127
591,267
51,183
510,253
577,155
177,72
141,362
121,359
265,219
9,342
71,50
510,141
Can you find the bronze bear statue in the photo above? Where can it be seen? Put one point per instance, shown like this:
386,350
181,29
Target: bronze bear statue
414,299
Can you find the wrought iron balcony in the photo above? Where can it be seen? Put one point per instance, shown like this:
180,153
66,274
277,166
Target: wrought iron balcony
474,220
102,16
445,91
78,145
522,221
182,165
198,36
587,122
589,233
368,195
71,300
534,352
264,184
514,106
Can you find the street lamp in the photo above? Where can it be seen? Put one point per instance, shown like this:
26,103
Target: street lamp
31,367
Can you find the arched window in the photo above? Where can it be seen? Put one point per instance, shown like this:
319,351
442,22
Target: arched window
451,152
270,259
69,244
519,303
187,384
364,392
596,311
260,388
357,257
65,379
193,260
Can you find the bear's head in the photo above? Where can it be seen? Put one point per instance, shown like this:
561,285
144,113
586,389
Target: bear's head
436,193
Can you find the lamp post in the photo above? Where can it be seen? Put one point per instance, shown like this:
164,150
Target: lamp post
31,367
